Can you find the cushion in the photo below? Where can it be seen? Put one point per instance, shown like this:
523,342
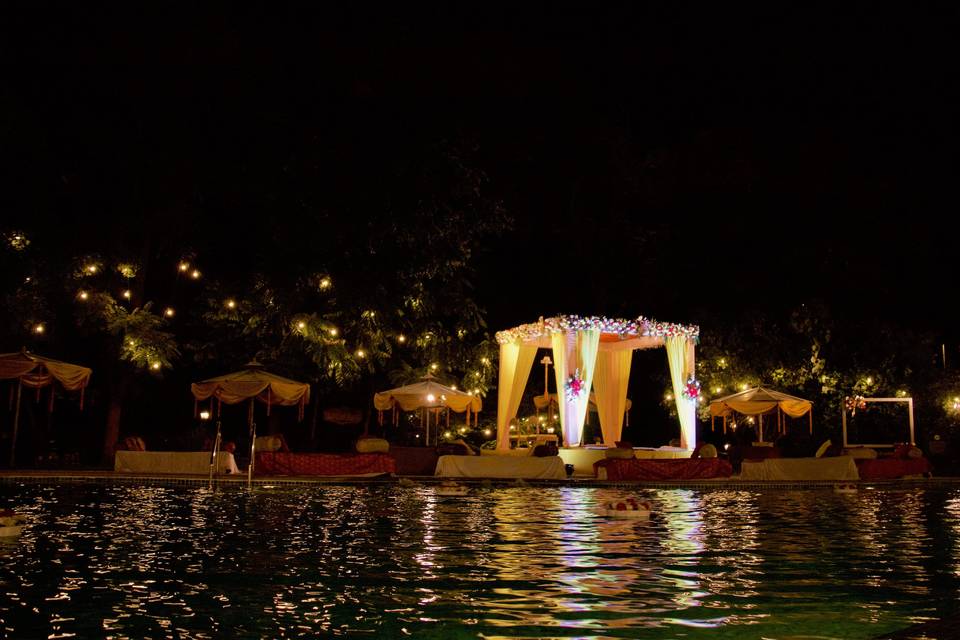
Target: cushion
372,445
823,449
619,453
546,450
708,451
861,453
268,443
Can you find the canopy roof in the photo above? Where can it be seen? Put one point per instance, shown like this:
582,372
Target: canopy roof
616,334
253,382
760,400
427,393
38,371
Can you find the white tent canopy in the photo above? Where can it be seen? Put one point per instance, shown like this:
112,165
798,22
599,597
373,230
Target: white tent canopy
759,401
595,351
427,394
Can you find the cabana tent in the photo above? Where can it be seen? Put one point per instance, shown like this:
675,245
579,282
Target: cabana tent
757,402
251,383
600,350
427,394
36,372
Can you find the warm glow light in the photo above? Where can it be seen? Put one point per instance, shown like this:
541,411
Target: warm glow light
184,266
431,397
485,360
668,397
231,304
513,427
39,328
195,274
869,380
204,415
401,338
169,312
717,389
447,434
301,325
487,432
91,269
454,387
325,283
476,391
462,430
83,295
434,366
155,366
744,386
550,429
126,294
469,393
361,353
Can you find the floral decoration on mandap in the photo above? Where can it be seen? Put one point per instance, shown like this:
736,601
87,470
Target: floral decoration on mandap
574,387
691,391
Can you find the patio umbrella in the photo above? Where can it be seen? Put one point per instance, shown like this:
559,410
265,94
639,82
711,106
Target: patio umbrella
758,401
428,393
36,372
251,383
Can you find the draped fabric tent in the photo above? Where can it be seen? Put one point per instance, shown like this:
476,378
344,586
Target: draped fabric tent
427,394
599,350
36,372
251,383
757,402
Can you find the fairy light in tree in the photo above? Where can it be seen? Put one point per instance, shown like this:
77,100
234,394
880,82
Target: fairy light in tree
126,294
361,353
155,366
301,325
744,386
83,295
869,380
333,331
131,342
433,367
401,338
39,328
169,312
231,304
204,415
91,269
183,267
476,392
325,283
195,274
454,387
717,389
447,435
485,360
431,397
668,397
487,432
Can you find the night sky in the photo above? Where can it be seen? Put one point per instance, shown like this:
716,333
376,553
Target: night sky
682,162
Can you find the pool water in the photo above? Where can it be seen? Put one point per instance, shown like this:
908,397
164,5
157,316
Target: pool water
386,561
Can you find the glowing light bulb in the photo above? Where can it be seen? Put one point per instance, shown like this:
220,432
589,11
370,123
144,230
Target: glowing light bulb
476,391
454,387
204,415
485,360
155,366
333,332
869,380
39,328
183,266
126,294
231,304
361,353
433,367
195,274
401,338
91,269
668,396
325,283
447,434
169,312
717,389
83,295
550,429
431,397
301,325
487,432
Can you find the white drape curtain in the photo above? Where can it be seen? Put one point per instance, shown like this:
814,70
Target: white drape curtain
515,364
680,356
574,350
610,382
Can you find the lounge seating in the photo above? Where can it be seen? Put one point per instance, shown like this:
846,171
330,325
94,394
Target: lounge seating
279,463
173,462
493,466
654,469
787,469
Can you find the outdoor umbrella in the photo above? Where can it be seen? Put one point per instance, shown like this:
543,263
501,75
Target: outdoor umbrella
251,383
428,393
36,372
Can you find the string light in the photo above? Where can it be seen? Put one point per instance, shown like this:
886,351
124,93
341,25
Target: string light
401,338
126,294
361,353
476,391
487,432
91,269
485,360
869,380
39,328
717,389
744,386
431,397
184,267
155,366
433,367
195,274
333,331
454,387
204,415
169,312
325,283
83,295
447,434
301,325
668,397
231,304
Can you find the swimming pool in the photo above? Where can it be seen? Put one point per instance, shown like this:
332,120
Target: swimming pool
387,561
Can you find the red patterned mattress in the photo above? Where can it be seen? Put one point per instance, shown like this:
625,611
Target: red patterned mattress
676,469
278,463
888,468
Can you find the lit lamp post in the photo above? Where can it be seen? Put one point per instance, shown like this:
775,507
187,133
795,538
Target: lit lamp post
546,362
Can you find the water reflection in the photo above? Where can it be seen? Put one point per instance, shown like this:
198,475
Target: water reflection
133,561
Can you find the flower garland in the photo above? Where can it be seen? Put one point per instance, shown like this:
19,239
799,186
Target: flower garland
645,327
692,389
574,387
854,403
